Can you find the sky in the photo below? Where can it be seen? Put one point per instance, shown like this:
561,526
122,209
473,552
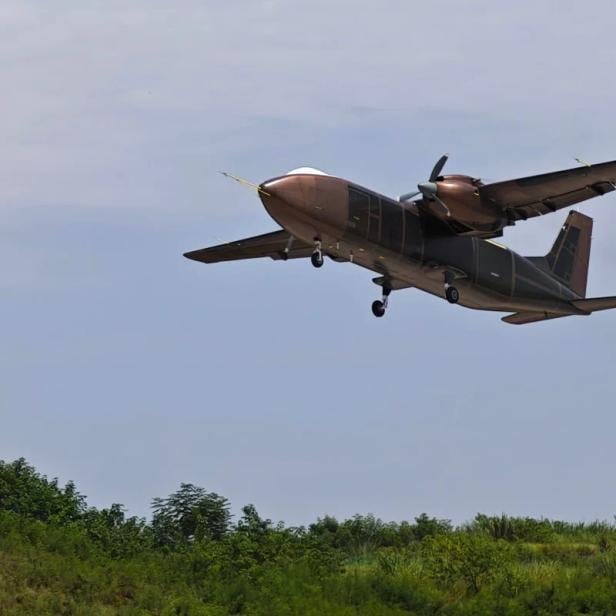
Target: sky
129,369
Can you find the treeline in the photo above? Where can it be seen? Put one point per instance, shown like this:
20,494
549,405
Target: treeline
60,556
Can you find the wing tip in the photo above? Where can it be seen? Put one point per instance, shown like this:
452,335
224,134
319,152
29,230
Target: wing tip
194,255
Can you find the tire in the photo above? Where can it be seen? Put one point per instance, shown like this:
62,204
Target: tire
316,259
378,309
452,294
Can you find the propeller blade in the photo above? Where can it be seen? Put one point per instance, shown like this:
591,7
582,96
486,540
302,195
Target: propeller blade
438,167
443,205
409,196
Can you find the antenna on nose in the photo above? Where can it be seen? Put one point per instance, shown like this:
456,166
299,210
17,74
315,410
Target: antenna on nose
245,183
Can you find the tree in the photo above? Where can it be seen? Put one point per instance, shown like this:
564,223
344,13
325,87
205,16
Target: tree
188,515
26,492
513,529
426,526
252,523
116,534
467,558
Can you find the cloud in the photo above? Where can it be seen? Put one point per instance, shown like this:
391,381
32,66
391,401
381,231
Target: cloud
106,104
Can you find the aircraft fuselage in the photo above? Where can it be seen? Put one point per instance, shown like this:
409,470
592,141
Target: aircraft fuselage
355,224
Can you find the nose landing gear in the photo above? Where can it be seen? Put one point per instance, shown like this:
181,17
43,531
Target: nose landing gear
379,306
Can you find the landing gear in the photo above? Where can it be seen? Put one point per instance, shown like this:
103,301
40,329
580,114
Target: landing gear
379,306
317,256
452,294
287,248
316,259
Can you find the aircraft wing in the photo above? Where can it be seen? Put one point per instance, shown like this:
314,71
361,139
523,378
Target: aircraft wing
268,245
541,194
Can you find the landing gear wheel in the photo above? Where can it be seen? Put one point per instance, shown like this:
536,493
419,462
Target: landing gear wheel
317,259
452,294
378,308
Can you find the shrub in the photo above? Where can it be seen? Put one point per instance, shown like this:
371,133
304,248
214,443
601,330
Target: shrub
466,559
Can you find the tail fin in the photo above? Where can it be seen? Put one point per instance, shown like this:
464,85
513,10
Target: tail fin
569,258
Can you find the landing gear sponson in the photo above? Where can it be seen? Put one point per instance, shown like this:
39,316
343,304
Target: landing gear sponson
379,306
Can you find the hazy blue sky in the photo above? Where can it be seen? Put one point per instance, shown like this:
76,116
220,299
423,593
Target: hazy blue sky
129,369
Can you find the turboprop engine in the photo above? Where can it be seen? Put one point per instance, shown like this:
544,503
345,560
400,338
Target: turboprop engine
455,200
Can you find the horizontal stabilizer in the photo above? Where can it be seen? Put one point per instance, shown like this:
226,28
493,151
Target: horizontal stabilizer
522,318
593,304
589,305
277,245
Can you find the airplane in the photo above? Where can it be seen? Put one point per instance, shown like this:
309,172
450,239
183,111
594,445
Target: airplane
439,239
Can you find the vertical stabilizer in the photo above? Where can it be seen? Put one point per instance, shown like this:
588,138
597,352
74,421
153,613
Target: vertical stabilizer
569,258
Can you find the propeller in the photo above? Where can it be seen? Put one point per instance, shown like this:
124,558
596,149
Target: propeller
429,189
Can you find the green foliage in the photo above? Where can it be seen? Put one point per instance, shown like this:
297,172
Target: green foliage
361,535
57,556
190,514
514,529
116,534
426,526
24,491
466,560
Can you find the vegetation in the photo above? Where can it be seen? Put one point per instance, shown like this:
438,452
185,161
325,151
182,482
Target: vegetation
59,556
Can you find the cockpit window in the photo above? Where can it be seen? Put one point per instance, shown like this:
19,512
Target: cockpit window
306,171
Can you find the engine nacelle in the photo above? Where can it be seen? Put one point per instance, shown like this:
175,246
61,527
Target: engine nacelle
465,211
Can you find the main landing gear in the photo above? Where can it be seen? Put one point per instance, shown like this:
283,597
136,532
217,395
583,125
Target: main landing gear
451,293
379,306
317,256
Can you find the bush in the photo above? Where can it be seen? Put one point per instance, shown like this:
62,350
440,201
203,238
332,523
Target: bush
466,560
59,557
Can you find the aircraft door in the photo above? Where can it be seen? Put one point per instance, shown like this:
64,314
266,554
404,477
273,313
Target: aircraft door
374,230
392,225
359,212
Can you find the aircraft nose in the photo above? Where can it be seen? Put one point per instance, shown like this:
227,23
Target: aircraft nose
287,196
289,189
